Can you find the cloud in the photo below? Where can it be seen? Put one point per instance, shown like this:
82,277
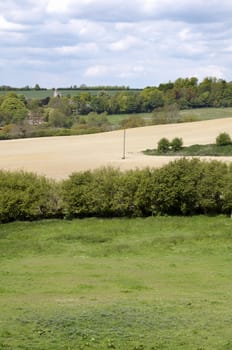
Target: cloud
96,71
82,49
125,43
136,43
6,25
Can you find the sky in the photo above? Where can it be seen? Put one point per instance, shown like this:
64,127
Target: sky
136,43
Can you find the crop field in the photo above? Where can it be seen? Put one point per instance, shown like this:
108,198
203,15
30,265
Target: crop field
58,157
64,92
155,283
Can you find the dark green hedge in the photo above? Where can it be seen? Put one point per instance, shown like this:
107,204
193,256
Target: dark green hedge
183,187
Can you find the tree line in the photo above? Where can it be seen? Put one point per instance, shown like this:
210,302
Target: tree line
183,187
87,112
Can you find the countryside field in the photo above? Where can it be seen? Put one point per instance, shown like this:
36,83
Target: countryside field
136,284
58,157
155,283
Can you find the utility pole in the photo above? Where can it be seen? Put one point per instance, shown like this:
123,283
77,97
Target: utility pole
124,144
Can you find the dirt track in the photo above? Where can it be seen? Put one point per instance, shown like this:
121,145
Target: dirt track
57,157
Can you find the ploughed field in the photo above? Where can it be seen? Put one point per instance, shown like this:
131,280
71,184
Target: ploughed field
58,157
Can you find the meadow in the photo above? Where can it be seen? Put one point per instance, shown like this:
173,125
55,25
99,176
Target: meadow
154,283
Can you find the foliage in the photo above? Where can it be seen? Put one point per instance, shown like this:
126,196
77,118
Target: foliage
26,196
12,110
223,139
182,187
168,114
176,148
163,145
58,119
211,186
175,188
176,144
35,106
132,122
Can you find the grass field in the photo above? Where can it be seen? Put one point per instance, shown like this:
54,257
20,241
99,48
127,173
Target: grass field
186,115
206,113
155,283
195,150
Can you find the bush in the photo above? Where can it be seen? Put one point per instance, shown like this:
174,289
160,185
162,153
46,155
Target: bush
182,187
26,196
174,189
211,187
107,192
163,145
176,144
223,139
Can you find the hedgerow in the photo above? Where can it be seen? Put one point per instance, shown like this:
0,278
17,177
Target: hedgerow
27,196
182,187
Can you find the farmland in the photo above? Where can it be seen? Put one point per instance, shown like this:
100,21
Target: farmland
43,93
58,157
155,283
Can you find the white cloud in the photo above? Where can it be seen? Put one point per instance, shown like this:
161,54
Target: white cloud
136,43
10,26
124,43
86,49
96,71
210,71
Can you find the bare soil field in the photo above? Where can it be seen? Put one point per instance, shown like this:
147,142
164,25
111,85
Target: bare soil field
58,157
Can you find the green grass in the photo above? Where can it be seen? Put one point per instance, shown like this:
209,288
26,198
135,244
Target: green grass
187,115
195,150
116,118
205,114
155,283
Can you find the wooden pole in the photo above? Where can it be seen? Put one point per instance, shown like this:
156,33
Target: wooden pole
124,144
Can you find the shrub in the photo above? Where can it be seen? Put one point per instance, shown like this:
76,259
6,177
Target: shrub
107,192
26,196
211,187
176,144
163,145
223,139
175,187
90,193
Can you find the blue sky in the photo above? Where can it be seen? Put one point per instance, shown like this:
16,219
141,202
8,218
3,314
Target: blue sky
113,42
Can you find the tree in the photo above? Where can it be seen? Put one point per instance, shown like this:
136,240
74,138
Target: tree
37,87
176,144
166,115
151,98
58,119
223,139
163,145
13,110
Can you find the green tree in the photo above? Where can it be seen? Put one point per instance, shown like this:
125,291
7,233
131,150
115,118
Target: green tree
58,119
223,139
176,144
62,104
151,98
13,110
163,145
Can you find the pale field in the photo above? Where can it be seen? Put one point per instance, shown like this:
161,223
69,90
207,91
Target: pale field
58,157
